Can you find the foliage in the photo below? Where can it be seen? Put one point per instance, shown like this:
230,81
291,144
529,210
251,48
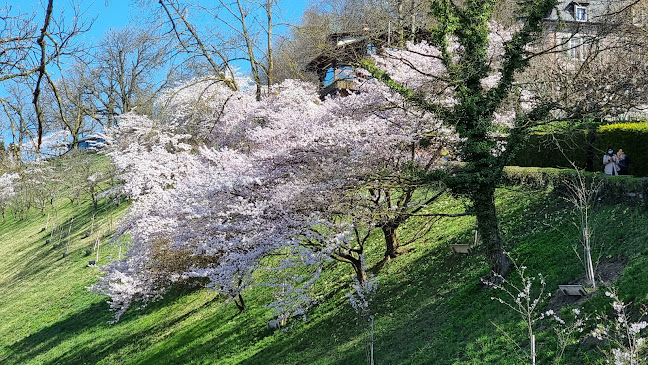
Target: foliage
583,144
556,149
632,138
627,346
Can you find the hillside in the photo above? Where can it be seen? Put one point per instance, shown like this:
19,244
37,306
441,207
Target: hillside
430,307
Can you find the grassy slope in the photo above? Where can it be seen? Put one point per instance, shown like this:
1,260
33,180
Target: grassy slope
430,306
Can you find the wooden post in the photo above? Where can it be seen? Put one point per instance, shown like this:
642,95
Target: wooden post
371,344
97,250
533,352
67,245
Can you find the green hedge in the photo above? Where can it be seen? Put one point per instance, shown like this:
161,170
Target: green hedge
556,150
585,147
613,188
632,138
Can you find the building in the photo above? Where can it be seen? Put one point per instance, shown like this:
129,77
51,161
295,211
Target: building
90,143
574,27
335,66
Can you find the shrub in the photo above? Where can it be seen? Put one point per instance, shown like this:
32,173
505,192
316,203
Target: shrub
558,147
543,149
614,188
632,138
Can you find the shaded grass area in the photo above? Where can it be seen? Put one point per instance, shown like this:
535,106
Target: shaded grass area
430,308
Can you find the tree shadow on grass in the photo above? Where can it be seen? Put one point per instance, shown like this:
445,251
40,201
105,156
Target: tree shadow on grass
87,337
431,311
38,257
337,337
93,317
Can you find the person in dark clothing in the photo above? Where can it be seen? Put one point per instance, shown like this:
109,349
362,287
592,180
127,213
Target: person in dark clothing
624,162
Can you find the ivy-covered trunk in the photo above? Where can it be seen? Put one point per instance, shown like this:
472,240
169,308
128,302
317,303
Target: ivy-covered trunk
488,228
461,35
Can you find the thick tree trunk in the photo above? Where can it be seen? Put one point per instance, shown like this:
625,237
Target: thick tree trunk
392,244
488,228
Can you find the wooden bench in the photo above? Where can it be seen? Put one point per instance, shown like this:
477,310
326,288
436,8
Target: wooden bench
464,248
573,290
461,248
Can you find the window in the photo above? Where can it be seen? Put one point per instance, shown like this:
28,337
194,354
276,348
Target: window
371,49
330,76
344,72
576,51
639,16
580,14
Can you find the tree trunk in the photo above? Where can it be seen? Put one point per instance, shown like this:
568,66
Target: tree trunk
360,272
392,244
270,75
488,228
240,304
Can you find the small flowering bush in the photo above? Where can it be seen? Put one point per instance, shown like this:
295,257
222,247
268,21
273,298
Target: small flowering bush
628,347
362,295
568,332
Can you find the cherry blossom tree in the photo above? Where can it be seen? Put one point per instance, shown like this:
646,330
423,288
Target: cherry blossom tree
7,191
222,180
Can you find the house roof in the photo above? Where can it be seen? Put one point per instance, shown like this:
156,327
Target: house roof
596,10
345,47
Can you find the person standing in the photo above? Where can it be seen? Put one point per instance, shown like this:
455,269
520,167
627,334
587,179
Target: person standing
624,162
611,161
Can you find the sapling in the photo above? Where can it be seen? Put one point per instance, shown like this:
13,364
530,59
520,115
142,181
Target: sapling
96,248
525,300
582,194
360,299
568,332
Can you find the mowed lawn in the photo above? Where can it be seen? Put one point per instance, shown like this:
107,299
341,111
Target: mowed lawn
430,308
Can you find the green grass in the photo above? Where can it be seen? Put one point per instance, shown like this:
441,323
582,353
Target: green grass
430,306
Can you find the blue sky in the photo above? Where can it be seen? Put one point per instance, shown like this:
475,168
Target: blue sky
117,13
